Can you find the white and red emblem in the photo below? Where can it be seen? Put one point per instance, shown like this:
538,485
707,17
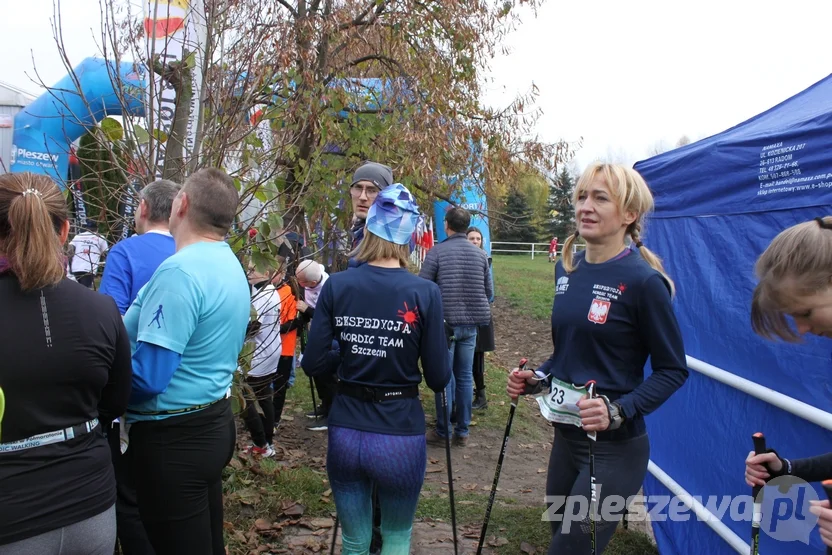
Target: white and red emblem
598,311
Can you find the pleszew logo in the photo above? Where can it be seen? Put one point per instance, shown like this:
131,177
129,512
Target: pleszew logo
24,154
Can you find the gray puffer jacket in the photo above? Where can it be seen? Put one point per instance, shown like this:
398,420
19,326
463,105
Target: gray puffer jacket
461,271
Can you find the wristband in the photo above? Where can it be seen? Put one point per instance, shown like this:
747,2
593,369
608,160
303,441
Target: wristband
616,415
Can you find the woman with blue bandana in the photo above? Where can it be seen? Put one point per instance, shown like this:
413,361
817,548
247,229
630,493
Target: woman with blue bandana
385,320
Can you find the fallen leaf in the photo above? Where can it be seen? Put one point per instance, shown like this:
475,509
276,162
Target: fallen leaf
541,470
528,549
435,469
469,487
502,403
262,524
236,464
287,417
464,502
322,522
466,456
327,493
497,542
432,460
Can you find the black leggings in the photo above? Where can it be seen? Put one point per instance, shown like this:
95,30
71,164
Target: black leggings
280,382
479,370
177,464
260,426
620,467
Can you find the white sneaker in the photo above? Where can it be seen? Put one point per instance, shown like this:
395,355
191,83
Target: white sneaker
264,452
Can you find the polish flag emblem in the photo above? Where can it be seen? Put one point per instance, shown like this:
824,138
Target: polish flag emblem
598,311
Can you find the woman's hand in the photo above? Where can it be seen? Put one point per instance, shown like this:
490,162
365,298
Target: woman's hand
755,473
517,382
824,513
595,417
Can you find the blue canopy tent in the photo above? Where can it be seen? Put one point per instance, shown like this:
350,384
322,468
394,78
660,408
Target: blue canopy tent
719,202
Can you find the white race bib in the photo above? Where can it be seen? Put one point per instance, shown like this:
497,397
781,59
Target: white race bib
560,403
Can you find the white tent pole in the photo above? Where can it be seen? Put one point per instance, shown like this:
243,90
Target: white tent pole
789,404
701,511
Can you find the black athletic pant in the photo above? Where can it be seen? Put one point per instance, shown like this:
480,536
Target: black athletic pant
479,370
620,467
177,464
327,387
260,426
280,381
132,537
84,279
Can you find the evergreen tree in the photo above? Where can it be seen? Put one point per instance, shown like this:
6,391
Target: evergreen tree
561,212
516,224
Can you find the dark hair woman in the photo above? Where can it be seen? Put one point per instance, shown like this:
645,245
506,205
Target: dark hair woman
485,334
66,375
385,320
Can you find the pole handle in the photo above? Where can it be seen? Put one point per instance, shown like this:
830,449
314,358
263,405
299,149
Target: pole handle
759,448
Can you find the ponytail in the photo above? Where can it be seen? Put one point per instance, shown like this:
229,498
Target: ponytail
566,253
649,256
32,210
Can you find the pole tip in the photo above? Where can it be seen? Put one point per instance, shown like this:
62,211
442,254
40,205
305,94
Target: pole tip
758,434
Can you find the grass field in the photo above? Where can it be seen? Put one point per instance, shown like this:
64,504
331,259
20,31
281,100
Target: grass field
264,490
528,285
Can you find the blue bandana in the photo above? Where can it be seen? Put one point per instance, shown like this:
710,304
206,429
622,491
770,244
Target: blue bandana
394,215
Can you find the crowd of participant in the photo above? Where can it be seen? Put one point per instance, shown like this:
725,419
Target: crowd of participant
118,421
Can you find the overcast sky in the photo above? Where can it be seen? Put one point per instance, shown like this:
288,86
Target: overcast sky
623,75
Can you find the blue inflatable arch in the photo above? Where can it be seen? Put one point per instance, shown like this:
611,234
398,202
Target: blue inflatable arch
44,130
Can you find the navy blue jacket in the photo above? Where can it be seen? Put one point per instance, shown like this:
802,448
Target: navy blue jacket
607,319
386,320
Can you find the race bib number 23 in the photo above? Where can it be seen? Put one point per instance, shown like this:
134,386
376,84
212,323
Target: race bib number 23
560,403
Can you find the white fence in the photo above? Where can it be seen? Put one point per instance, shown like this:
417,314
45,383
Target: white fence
530,248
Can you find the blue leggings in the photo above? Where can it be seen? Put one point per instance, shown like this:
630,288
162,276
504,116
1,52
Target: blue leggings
396,465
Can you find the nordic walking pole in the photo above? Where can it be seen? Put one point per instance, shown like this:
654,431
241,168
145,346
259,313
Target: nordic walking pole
827,487
593,504
311,380
522,365
759,448
334,536
450,471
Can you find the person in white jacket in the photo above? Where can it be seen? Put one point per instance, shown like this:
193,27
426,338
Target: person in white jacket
267,349
312,276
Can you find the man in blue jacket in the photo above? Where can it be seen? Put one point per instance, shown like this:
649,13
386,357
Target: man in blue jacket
129,267
462,273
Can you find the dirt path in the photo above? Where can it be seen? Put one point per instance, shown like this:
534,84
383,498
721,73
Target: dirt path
522,478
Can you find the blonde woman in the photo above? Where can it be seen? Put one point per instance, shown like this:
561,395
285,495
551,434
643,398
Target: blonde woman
612,310
386,321
795,274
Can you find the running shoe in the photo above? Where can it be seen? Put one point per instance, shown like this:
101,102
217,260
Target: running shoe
264,452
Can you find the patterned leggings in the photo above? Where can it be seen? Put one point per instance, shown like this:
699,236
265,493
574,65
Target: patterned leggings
396,465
